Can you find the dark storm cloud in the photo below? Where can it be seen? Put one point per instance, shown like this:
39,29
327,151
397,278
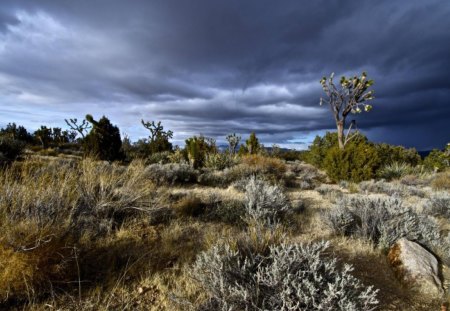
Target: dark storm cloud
215,67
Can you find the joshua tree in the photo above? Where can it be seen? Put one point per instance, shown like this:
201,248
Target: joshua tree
252,143
197,149
350,97
233,142
80,128
159,139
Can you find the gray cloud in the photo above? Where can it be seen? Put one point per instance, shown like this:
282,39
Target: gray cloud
215,67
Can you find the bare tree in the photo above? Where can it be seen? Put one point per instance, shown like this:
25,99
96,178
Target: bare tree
350,97
80,128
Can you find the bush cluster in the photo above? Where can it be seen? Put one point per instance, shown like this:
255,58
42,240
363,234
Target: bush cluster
10,149
438,204
381,220
438,160
220,161
356,162
360,159
172,173
390,188
103,141
288,277
396,170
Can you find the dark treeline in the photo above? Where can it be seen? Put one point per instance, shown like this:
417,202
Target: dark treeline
100,139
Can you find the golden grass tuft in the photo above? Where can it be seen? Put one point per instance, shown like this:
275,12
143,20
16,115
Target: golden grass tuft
264,164
441,181
33,259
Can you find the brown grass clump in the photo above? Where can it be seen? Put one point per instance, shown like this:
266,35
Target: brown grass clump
49,208
34,259
441,181
264,164
189,206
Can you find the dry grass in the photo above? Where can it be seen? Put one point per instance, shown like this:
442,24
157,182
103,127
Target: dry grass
85,235
441,181
48,208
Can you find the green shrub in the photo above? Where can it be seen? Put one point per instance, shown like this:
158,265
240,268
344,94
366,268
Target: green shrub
356,162
437,160
10,149
390,154
197,149
103,141
319,148
396,170
220,161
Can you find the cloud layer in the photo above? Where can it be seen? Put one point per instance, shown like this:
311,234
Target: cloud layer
215,67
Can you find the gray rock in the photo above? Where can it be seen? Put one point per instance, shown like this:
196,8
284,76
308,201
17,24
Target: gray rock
416,267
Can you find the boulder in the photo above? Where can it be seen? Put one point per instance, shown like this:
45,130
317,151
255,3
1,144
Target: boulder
416,267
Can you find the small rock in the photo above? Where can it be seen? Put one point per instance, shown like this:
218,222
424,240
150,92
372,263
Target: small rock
415,266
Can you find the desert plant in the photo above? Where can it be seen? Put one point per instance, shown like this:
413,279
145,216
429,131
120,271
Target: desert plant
441,181
252,144
264,203
80,128
438,204
289,277
381,220
10,149
172,173
395,170
358,161
330,192
233,142
390,154
438,160
15,132
159,138
220,161
43,136
159,157
103,141
349,98
390,188
48,207
178,156
197,149
271,168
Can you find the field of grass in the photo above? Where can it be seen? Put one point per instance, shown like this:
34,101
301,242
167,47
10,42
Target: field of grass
86,235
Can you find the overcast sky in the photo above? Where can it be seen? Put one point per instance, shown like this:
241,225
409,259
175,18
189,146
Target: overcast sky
215,67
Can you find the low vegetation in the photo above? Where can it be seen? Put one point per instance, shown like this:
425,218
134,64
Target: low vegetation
91,221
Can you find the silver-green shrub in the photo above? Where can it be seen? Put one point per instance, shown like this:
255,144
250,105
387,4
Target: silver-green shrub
438,204
264,203
290,277
391,189
381,220
172,173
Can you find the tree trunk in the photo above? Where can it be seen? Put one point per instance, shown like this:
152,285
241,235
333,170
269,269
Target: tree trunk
340,131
